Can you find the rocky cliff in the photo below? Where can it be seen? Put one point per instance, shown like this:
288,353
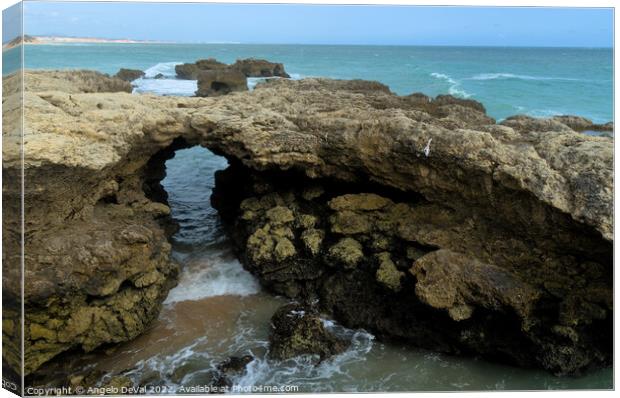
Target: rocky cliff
420,219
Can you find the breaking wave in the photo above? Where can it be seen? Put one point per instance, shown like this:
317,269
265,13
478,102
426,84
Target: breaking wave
455,86
508,76
215,275
165,68
167,84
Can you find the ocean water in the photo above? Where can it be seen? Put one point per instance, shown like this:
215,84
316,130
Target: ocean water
219,310
536,81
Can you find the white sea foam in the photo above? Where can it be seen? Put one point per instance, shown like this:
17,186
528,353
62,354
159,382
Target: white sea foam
303,370
179,87
455,86
170,85
162,367
506,76
458,92
443,77
545,112
215,275
165,68
253,81
195,363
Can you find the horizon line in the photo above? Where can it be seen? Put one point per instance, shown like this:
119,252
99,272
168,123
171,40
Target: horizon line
159,41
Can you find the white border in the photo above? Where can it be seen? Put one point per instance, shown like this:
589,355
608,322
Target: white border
488,3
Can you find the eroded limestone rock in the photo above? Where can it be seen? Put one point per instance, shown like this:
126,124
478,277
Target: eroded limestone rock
252,67
219,82
388,274
528,200
299,330
129,75
346,252
190,71
248,67
453,282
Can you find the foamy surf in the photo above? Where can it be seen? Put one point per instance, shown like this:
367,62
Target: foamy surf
213,275
455,86
184,88
197,362
304,370
167,69
168,84
508,76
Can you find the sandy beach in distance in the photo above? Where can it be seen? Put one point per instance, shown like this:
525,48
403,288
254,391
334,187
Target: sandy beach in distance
37,40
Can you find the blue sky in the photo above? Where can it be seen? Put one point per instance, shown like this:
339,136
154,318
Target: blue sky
321,24
11,27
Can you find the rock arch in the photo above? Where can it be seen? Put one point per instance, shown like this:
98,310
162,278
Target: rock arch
513,221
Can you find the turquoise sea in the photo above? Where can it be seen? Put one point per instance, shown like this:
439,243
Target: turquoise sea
219,310
507,80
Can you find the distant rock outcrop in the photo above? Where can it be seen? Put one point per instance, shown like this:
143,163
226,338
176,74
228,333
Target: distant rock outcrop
252,67
129,75
19,40
220,82
418,219
190,71
216,78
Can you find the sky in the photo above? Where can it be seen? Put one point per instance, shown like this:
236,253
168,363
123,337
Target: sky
11,26
324,24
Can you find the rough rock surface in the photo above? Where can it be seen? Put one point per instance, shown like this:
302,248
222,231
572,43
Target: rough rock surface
129,75
219,82
299,330
579,123
190,71
556,123
249,67
70,82
252,67
330,195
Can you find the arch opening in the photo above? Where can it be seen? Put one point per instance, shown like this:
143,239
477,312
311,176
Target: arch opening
200,244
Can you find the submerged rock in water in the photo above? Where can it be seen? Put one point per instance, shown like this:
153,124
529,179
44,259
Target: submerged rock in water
129,75
418,219
299,330
235,365
230,368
